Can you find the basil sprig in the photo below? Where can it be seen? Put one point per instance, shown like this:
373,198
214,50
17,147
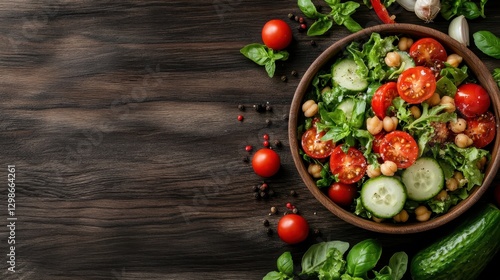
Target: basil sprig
340,14
488,43
264,56
467,8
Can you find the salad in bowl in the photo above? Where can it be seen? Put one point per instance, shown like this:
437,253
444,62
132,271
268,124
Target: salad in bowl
394,129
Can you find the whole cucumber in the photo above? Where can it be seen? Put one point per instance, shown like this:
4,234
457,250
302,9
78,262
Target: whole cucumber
463,254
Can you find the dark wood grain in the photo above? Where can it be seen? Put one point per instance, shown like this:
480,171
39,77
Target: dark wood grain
120,117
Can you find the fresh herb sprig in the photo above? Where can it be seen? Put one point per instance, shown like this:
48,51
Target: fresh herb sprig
264,56
340,14
325,260
488,43
467,8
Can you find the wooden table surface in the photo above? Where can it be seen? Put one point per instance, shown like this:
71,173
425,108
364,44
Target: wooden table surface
121,120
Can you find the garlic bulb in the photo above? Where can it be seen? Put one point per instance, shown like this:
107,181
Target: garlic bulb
408,5
459,30
427,10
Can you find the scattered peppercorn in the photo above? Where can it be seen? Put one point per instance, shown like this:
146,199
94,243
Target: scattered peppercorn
265,136
295,210
289,205
269,108
296,18
274,210
258,107
266,144
246,159
263,194
248,148
294,73
277,143
263,187
241,107
293,193
271,193
256,188
269,232
301,20
313,43
240,118
291,16
256,195
268,122
317,232
266,223
283,78
303,26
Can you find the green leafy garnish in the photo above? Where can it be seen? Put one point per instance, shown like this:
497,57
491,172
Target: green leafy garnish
264,56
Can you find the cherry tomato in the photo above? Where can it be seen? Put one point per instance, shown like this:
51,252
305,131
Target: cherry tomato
482,129
293,228
427,51
382,98
497,194
266,162
377,141
350,167
472,100
342,194
382,12
313,146
416,84
399,147
276,34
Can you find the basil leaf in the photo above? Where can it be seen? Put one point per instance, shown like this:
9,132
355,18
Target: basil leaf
285,264
352,25
398,264
316,256
320,26
256,53
275,275
308,8
470,10
363,257
488,43
270,68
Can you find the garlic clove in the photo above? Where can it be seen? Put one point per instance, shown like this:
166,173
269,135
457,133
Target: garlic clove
408,5
459,30
427,10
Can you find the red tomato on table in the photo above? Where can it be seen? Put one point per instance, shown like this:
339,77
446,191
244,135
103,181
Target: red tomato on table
266,162
400,148
416,84
276,34
350,167
293,228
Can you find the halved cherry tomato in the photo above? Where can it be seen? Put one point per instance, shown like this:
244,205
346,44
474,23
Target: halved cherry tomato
472,100
313,146
399,147
427,51
382,12
342,194
293,228
350,167
482,129
276,34
416,84
382,98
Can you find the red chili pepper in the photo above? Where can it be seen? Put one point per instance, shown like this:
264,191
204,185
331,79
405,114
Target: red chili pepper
382,12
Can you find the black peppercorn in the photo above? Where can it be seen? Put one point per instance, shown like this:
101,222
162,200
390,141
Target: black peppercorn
266,223
283,78
294,73
263,194
269,232
246,159
258,107
313,43
256,195
277,143
293,193
291,16
271,193
269,108
317,232
268,122
255,188
241,107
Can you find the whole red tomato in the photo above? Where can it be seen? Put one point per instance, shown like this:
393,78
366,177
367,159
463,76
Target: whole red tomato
276,34
293,228
497,194
266,162
342,194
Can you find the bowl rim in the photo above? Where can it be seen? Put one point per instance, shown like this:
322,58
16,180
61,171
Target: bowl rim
484,78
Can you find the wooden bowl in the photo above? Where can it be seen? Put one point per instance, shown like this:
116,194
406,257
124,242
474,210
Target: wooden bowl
477,68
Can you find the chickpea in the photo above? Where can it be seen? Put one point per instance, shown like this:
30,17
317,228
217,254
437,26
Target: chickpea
415,111
447,100
482,163
390,123
373,171
422,214
442,195
374,125
454,60
451,184
310,108
433,100
314,170
377,220
392,59
388,168
458,126
405,43
463,141
325,89
460,178
401,217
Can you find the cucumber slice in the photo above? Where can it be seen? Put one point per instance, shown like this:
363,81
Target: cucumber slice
383,196
424,179
406,59
347,106
344,74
